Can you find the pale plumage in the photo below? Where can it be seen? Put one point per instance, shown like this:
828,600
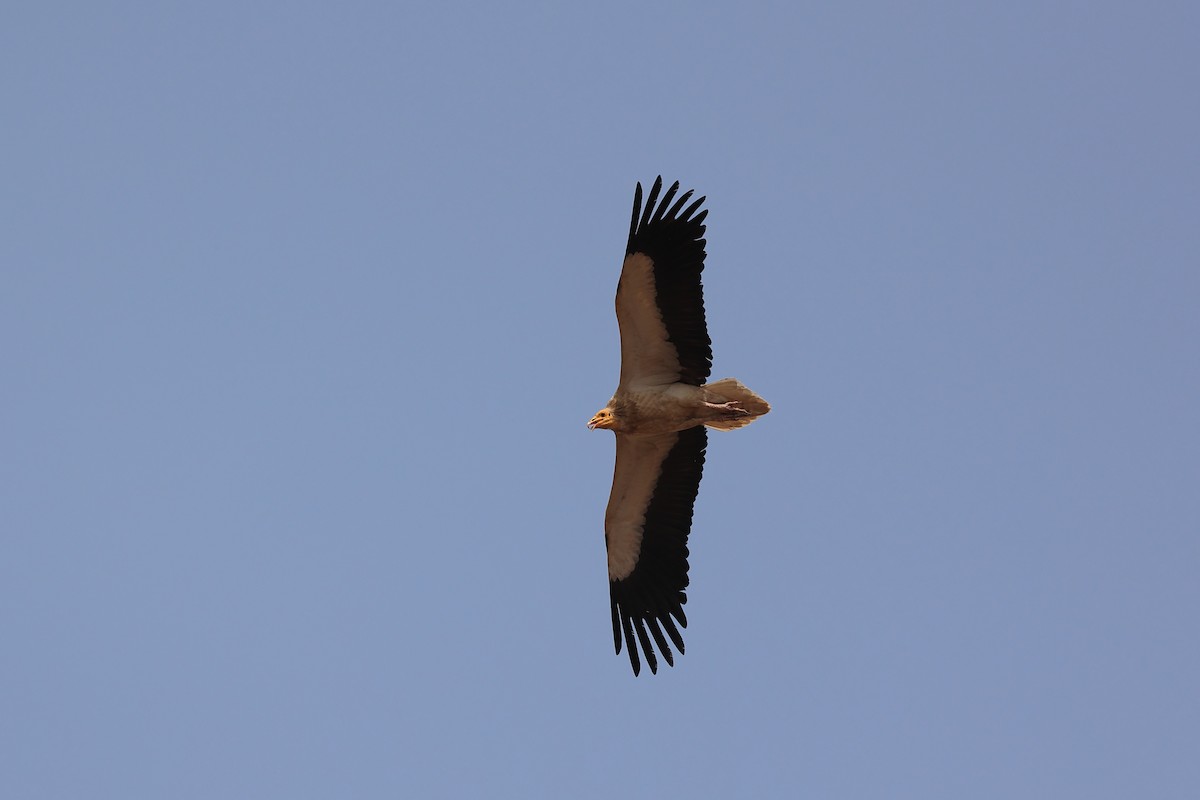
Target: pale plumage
659,414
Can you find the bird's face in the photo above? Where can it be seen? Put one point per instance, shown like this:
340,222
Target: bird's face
604,419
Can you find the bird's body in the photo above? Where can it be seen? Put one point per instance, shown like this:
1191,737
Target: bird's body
650,410
659,414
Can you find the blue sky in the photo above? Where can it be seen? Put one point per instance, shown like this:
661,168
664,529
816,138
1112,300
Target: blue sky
305,307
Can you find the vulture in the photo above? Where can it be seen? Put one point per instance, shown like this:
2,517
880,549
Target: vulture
659,413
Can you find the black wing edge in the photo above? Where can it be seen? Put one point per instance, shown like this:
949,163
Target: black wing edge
649,602
672,236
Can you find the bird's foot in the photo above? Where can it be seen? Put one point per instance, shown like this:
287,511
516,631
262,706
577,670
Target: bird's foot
733,408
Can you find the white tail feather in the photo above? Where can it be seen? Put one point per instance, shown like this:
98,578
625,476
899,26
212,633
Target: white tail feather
731,390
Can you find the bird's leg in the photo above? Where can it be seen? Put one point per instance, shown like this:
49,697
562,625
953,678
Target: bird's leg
733,408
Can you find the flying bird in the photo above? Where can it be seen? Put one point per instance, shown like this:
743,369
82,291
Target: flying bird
659,414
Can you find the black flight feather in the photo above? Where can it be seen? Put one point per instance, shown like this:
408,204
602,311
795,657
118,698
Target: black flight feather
655,590
674,242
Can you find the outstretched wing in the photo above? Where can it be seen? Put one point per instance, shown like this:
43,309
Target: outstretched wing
660,303
646,529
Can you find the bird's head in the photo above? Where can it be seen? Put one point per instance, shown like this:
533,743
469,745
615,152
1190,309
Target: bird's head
604,419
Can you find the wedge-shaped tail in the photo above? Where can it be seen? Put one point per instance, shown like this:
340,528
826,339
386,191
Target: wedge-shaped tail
732,390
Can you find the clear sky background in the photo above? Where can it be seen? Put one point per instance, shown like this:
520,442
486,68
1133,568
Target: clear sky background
304,307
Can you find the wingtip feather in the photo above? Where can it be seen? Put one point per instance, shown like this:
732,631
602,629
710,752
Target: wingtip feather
647,648
687,213
651,199
631,648
637,209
